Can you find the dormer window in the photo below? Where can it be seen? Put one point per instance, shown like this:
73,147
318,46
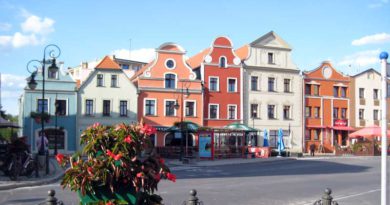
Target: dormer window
271,58
222,62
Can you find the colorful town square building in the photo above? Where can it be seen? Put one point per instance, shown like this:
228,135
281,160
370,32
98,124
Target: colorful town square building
107,96
272,90
221,72
169,92
327,108
60,90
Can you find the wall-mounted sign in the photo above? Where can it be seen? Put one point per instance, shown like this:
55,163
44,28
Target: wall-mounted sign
341,123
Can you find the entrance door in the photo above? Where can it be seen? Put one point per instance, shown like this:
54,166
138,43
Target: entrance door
52,134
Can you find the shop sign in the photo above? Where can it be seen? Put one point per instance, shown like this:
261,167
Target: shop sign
340,123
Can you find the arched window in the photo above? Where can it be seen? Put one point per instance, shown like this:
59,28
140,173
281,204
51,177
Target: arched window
170,81
222,62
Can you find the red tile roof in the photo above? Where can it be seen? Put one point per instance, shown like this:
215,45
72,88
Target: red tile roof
243,52
108,63
197,59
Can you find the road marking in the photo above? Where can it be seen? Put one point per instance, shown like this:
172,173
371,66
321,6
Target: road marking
349,196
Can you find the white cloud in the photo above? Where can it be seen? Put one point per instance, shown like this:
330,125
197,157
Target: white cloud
378,4
37,25
34,31
372,39
5,26
143,54
12,85
363,58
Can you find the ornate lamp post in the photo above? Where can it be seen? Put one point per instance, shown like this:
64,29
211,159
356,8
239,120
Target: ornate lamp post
177,106
53,52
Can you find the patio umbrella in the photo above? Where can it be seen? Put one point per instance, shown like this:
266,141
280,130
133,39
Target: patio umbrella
372,131
239,126
280,141
265,143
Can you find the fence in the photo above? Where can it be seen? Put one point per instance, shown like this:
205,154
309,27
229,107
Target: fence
326,199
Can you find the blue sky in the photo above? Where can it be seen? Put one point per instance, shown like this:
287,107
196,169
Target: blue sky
350,33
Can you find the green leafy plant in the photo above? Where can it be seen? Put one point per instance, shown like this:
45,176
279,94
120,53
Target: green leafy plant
114,160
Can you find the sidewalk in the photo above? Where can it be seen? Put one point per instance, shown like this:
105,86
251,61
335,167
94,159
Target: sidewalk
56,172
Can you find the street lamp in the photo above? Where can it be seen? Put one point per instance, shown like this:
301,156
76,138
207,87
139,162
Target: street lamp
54,52
177,106
56,123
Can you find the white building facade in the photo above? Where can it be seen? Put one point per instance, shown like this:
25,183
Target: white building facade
273,90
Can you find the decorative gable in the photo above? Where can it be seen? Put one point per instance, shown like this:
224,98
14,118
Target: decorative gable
270,40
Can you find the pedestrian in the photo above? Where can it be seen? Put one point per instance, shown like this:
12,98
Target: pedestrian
45,143
312,148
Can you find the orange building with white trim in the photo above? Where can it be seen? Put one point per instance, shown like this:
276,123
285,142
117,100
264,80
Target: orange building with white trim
221,71
326,108
169,92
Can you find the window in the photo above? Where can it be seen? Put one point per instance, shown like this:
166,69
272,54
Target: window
376,114
317,112
335,91
100,81
222,62
316,134
270,58
170,81
376,95
150,106
190,109
125,67
254,108
232,112
308,89
170,64
51,74
231,85
106,108
343,92
287,88
123,108
254,80
60,107
42,105
336,113
307,134
89,107
213,110
361,92
316,90
361,114
343,113
271,111
114,81
214,85
308,111
271,84
169,108
286,112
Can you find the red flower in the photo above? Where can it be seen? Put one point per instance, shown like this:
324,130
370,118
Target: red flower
162,161
90,170
60,158
95,125
171,177
149,130
140,175
128,139
112,155
117,157
110,203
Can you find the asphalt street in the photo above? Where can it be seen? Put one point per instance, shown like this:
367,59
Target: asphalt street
353,181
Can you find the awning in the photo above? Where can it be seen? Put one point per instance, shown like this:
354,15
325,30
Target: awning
343,128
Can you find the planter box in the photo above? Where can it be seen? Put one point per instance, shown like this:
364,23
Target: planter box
103,193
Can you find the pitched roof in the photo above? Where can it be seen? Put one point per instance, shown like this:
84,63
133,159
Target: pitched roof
243,52
366,71
197,59
140,71
108,63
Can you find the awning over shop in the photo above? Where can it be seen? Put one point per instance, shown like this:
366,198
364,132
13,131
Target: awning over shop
187,125
240,126
343,128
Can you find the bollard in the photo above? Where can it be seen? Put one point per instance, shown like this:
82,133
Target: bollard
326,198
193,199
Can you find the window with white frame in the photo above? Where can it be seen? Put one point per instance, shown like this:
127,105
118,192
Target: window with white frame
361,114
170,108
100,80
150,107
60,106
376,94
271,84
232,85
287,112
214,84
89,107
287,85
271,112
376,114
361,92
271,58
213,111
254,111
114,81
190,109
232,112
222,62
254,83
307,111
170,81
106,107
343,113
42,105
123,108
